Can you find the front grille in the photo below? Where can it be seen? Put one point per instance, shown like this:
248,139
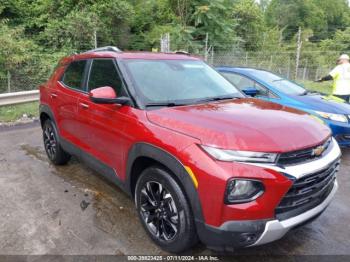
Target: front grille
307,192
304,155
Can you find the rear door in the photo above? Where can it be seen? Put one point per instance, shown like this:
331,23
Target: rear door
104,123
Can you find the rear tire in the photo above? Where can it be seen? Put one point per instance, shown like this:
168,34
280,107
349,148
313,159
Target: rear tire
164,210
53,149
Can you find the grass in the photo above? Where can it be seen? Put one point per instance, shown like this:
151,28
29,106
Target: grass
14,112
324,87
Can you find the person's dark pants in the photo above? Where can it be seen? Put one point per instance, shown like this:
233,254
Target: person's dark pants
345,97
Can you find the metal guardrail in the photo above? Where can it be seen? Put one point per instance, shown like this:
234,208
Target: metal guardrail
19,97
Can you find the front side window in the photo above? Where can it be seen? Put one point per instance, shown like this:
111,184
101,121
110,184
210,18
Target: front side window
239,81
178,81
73,76
243,83
103,73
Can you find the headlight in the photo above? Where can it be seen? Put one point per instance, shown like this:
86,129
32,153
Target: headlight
334,117
243,191
241,156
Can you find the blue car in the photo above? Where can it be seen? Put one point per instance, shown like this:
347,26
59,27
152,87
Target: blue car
268,86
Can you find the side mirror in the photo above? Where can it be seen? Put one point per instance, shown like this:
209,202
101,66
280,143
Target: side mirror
250,91
107,95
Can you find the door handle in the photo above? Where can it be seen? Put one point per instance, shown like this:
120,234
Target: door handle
83,105
53,95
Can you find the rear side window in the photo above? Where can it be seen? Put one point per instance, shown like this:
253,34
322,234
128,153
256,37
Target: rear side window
103,73
74,74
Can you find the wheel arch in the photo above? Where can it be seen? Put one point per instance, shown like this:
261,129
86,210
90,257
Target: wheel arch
45,113
143,155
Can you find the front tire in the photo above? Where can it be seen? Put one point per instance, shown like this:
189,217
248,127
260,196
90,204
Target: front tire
53,149
164,210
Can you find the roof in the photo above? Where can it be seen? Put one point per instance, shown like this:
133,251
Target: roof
129,55
239,69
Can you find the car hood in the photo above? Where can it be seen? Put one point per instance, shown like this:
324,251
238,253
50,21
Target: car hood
323,103
244,124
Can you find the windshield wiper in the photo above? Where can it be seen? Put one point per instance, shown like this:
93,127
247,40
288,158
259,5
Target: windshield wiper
217,98
167,104
172,104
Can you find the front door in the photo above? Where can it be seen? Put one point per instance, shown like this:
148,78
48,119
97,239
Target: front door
105,123
242,82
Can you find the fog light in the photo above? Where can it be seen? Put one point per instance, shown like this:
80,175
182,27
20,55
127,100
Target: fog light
243,191
248,238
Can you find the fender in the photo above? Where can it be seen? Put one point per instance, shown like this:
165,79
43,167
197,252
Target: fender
47,110
174,165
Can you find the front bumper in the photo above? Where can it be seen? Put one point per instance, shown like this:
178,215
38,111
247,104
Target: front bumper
341,132
232,234
239,234
275,229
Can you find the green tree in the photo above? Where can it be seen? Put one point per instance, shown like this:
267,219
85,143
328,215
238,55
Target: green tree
251,25
339,43
115,19
110,21
291,14
74,33
337,16
215,18
14,46
152,18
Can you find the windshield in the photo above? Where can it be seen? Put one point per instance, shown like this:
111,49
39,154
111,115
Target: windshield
281,84
178,81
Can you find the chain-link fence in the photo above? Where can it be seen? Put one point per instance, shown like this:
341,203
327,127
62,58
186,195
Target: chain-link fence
15,82
311,66
29,74
283,63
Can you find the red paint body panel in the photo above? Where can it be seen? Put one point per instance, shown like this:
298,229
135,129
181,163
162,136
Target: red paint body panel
108,132
245,124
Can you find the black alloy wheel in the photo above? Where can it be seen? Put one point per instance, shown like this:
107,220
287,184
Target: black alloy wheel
164,210
159,211
53,149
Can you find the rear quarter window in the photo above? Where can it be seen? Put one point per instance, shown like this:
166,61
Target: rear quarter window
73,76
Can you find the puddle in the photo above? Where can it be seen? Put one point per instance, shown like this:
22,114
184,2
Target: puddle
114,210
36,152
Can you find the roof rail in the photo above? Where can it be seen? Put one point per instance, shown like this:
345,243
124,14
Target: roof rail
181,52
105,49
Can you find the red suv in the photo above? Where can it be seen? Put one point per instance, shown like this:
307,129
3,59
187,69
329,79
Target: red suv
200,160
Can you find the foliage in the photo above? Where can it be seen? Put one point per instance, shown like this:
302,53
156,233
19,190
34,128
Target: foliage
292,14
250,18
35,34
213,17
13,45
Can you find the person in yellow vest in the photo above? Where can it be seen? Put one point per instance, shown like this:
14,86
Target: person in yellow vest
341,78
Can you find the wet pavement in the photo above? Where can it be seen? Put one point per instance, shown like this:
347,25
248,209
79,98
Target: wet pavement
72,210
